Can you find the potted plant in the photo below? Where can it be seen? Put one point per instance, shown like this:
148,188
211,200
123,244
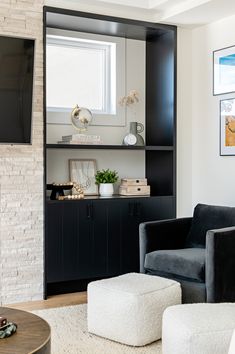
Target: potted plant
105,179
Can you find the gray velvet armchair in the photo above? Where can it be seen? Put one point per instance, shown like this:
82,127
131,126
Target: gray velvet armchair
198,252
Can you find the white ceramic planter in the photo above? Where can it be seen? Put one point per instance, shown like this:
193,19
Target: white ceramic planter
106,189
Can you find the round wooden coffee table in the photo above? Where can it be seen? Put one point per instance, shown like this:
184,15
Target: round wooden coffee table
33,334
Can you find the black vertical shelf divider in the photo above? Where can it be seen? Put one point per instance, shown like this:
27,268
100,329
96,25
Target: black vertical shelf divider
161,111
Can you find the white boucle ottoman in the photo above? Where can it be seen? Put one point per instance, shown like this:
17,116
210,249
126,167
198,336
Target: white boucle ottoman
232,344
198,328
128,309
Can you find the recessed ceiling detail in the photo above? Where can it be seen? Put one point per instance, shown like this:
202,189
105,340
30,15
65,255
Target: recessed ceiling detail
188,13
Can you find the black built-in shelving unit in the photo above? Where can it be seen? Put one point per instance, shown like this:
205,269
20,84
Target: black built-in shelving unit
78,248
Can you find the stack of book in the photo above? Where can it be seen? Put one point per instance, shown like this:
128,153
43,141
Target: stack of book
132,186
81,139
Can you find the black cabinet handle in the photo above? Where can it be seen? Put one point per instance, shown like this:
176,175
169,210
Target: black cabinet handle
89,211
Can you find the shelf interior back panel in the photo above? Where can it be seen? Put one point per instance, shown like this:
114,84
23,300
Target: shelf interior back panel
160,90
128,164
160,172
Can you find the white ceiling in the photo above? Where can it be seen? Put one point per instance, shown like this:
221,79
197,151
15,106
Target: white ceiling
189,13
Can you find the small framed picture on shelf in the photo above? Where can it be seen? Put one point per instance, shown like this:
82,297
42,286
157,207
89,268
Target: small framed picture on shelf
82,171
224,71
227,127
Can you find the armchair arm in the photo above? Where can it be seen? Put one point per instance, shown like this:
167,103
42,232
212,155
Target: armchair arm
165,234
220,265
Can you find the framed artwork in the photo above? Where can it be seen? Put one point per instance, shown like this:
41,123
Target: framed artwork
224,71
83,172
227,127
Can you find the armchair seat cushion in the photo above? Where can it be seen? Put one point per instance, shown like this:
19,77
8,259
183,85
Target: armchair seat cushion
186,263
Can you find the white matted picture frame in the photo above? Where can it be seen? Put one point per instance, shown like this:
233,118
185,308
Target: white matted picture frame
224,71
82,171
227,127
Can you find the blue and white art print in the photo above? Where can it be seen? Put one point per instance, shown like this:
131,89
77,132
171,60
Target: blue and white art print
224,70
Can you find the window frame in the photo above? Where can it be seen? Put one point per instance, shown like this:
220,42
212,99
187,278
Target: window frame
112,114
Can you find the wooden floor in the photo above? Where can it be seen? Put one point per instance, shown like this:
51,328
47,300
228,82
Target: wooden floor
52,301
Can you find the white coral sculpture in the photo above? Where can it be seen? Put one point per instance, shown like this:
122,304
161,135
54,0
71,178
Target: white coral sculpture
131,98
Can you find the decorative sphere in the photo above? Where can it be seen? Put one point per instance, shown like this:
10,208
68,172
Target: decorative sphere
81,117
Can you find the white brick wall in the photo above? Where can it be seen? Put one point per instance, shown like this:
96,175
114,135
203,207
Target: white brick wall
21,175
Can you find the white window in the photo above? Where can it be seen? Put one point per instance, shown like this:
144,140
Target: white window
82,70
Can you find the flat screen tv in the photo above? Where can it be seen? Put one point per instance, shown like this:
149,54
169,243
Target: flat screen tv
16,89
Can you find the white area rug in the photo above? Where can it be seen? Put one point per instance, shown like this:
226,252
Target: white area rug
69,334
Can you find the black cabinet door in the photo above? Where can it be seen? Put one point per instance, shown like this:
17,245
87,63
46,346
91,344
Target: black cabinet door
99,238
134,212
151,209
158,208
106,216
114,228
131,218
54,242
85,254
62,248
70,240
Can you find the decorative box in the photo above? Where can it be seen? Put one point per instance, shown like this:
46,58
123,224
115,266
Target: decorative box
134,182
134,190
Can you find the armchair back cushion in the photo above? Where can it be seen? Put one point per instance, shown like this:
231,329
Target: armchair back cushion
208,217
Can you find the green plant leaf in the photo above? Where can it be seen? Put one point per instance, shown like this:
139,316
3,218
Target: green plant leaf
106,176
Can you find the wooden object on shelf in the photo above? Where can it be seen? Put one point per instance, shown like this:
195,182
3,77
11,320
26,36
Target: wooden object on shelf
134,182
134,190
57,189
134,186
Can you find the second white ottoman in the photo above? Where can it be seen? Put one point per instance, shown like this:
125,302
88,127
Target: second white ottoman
128,309
198,328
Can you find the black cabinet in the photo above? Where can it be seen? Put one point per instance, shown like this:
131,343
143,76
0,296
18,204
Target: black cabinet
97,238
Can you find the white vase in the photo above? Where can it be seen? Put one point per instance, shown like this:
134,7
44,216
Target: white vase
106,189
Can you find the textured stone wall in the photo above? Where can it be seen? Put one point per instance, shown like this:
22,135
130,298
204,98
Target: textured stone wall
21,175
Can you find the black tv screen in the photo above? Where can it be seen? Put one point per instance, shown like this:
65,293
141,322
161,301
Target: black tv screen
16,89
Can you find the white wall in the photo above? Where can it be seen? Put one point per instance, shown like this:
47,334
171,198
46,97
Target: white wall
203,176
184,122
213,176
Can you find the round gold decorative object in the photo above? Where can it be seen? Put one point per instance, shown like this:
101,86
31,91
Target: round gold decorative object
81,117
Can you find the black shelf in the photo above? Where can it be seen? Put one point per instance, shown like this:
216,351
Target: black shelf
159,148
108,147
98,197
102,147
